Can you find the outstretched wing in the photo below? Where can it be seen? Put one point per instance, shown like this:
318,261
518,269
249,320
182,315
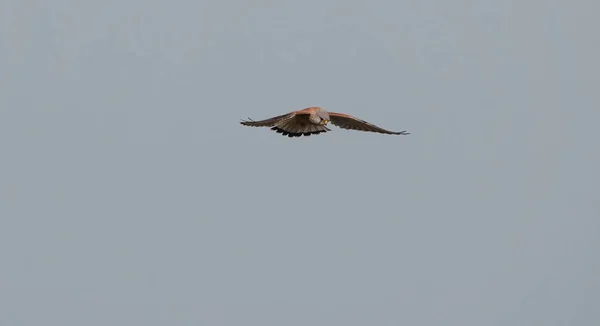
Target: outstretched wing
346,121
294,124
268,122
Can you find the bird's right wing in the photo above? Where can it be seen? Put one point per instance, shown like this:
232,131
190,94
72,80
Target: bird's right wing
268,122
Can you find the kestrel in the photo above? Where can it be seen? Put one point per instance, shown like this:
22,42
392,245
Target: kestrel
313,120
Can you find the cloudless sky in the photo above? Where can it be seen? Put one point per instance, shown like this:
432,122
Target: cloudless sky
131,195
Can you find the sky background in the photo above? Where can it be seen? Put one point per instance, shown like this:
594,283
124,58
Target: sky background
131,195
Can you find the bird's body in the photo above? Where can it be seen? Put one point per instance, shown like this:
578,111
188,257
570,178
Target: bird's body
313,120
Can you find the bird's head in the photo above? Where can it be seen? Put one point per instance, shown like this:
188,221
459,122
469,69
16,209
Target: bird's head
324,117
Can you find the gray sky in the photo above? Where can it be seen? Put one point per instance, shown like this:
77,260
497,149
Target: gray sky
130,194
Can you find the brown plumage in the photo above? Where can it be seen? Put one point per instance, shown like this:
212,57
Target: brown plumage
313,120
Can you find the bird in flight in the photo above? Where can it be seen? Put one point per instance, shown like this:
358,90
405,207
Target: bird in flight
313,120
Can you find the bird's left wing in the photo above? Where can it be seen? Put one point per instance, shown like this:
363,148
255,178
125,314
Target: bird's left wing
346,121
